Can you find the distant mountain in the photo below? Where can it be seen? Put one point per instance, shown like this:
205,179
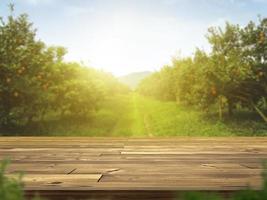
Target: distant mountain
133,79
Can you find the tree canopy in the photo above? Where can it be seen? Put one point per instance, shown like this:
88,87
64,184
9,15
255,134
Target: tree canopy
35,79
233,74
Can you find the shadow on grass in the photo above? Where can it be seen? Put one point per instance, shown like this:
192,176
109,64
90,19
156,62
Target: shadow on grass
134,115
241,123
68,126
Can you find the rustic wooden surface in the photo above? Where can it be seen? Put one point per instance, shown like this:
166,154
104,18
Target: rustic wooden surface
81,164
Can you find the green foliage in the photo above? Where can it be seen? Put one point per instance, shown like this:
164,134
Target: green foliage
138,116
10,189
40,91
35,80
233,75
22,59
254,195
170,119
159,85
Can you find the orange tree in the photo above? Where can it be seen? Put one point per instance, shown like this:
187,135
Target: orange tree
150,86
229,69
254,39
159,85
75,90
192,80
35,81
24,62
239,65
232,74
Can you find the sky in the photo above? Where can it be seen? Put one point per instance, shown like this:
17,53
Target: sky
125,36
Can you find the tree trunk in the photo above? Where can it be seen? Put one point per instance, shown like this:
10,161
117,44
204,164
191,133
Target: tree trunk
230,108
62,113
42,115
263,116
220,108
6,110
264,103
30,120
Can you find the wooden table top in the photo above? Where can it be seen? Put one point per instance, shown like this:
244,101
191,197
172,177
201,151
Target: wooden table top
129,164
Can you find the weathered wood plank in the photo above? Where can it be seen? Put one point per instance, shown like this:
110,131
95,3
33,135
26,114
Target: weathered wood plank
136,164
62,180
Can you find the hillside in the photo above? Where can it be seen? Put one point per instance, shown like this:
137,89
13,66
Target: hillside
133,79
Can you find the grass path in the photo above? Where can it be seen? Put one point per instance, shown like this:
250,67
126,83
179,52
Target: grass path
148,117
133,120
137,116
138,126
131,117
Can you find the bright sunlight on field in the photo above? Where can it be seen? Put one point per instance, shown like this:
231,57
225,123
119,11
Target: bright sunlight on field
136,99
137,116
217,93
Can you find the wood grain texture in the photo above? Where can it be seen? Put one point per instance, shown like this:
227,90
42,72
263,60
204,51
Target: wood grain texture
80,164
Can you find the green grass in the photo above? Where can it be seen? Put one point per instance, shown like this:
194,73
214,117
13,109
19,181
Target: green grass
169,119
10,189
138,116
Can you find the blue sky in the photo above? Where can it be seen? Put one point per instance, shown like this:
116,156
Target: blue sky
123,36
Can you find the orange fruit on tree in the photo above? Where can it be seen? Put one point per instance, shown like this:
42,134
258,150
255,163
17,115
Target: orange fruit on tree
39,77
261,74
16,94
20,71
8,80
213,91
262,37
45,86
